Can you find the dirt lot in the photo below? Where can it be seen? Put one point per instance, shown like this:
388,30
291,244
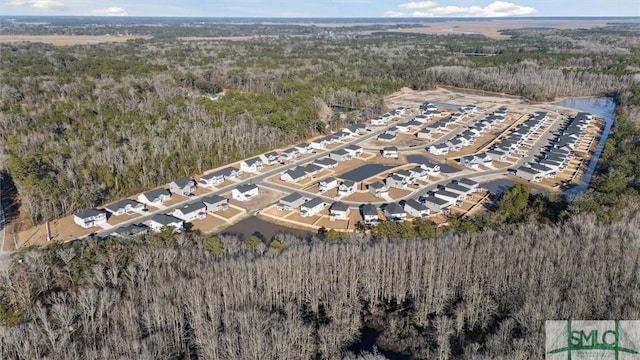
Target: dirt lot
67,40
491,28
264,198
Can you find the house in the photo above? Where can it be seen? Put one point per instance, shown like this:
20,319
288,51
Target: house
405,174
342,135
271,158
327,184
405,127
451,197
124,207
416,209
379,189
456,144
394,130
356,129
474,186
312,207
289,155
158,221
339,211
154,197
436,204
190,212
244,192
293,175
231,172
424,133
422,118
528,174
251,165
184,187
90,217
395,212
432,168
387,137
542,169
440,149
455,188
378,121
419,173
497,155
212,179
370,214
325,163
353,150
303,148
215,203
291,201
331,138
395,181
319,144
311,169
339,155
347,188
131,231
390,152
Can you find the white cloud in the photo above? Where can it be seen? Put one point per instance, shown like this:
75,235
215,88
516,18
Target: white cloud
110,11
431,9
41,4
418,5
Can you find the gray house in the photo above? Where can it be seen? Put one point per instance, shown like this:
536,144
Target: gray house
154,197
528,173
436,204
395,181
131,231
339,211
416,209
312,207
370,214
271,158
326,163
395,212
212,179
184,187
468,183
158,221
251,165
291,201
340,155
379,189
215,203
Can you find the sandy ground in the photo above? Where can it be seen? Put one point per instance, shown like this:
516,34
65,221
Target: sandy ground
491,28
67,40
264,198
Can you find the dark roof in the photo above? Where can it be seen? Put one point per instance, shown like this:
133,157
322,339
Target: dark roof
122,204
390,148
246,188
313,203
303,145
457,187
415,204
193,207
328,180
527,170
339,206
394,208
348,183
377,185
296,173
271,154
340,152
131,230
311,168
448,194
184,182
252,161
434,200
326,161
387,136
213,199
293,197
89,213
369,209
468,182
164,219
155,193
353,147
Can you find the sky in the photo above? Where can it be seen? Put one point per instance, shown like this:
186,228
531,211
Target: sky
322,8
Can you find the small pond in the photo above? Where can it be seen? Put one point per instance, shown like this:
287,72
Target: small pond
365,172
268,230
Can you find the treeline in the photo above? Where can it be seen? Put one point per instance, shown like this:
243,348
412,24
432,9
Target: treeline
467,296
89,124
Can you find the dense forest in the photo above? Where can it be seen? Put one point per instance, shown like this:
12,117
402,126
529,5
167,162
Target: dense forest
87,124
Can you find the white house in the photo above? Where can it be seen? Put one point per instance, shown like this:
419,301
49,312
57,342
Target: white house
319,144
387,137
416,209
424,133
158,221
390,152
90,217
251,165
474,186
154,197
339,211
327,184
312,207
440,149
325,163
452,198
212,179
271,158
370,214
419,173
184,187
436,204
395,212
303,148
244,192
289,155
378,121
432,168
347,188
455,188
215,203
293,175
291,201
124,207
528,174
353,150
379,189
190,212
395,181
339,155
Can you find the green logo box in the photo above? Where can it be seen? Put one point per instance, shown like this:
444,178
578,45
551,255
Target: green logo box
592,339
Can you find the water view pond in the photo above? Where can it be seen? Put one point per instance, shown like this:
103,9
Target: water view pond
603,107
419,159
364,172
268,230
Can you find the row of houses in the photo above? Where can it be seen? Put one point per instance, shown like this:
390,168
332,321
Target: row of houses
557,155
508,145
467,137
330,161
386,117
